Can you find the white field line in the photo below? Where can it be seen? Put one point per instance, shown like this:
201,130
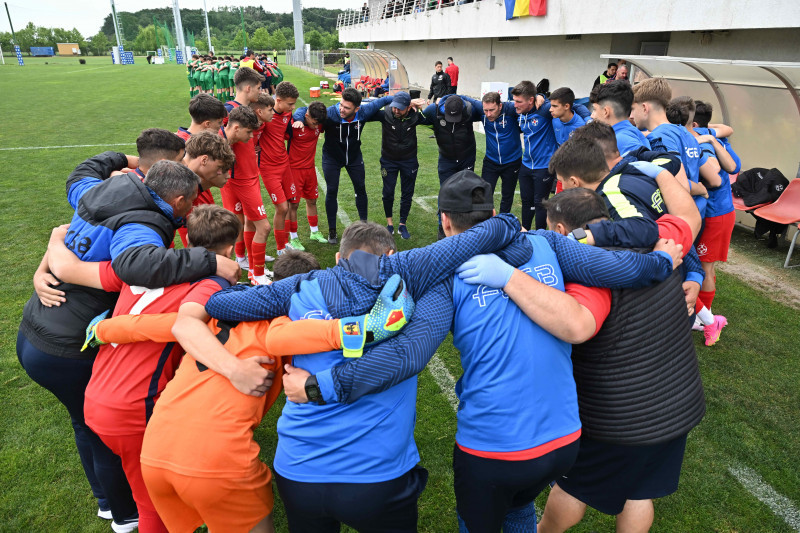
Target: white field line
84,70
444,379
422,201
66,146
341,213
777,503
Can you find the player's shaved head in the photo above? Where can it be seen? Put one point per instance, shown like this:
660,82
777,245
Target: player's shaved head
617,94
155,144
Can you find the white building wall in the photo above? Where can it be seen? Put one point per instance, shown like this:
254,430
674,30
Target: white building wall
572,64
782,44
486,18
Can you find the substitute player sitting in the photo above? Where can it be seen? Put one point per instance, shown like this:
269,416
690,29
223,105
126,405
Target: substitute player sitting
302,152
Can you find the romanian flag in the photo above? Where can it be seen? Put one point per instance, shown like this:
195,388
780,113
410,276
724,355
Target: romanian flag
525,8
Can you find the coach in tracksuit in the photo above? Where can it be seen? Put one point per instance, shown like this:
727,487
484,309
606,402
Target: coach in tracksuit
440,83
342,149
399,155
503,156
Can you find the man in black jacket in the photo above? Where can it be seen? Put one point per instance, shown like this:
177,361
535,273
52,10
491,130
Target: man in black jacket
440,83
399,155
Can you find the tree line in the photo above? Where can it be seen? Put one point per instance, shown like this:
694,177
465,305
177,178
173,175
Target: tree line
262,31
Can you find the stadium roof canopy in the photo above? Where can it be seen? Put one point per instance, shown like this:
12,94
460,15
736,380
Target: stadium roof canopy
375,63
760,100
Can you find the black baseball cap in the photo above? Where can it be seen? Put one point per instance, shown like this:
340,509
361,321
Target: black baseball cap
453,108
455,195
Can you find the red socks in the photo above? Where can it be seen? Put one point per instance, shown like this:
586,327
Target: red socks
291,226
248,243
239,248
259,250
313,221
707,297
280,238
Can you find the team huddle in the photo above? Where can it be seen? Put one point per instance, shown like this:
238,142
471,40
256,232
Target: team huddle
167,365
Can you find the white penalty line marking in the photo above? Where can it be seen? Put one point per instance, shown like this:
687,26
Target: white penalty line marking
65,146
777,503
341,213
444,379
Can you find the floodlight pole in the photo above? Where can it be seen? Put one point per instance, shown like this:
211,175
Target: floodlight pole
14,35
244,31
298,25
208,32
116,26
176,10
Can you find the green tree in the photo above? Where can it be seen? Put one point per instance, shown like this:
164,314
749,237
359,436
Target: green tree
278,40
314,38
237,44
100,45
331,41
146,39
261,39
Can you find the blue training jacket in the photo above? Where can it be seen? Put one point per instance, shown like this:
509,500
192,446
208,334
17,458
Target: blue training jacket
506,356
538,138
502,134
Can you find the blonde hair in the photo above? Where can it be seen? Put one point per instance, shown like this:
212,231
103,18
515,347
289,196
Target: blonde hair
654,90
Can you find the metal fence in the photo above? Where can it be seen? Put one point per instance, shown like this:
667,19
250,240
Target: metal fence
385,9
311,60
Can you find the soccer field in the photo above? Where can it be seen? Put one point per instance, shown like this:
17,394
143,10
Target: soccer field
742,466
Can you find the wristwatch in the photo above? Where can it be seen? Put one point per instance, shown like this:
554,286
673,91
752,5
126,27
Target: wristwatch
579,234
312,391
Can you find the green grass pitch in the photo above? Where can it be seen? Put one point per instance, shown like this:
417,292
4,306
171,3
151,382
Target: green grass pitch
54,110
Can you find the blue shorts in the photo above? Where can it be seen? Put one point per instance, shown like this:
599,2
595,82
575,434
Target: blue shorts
606,475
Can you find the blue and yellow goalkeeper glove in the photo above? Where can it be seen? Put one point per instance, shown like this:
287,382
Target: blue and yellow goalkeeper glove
391,312
92,340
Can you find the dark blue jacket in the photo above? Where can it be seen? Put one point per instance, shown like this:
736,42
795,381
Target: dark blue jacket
342,145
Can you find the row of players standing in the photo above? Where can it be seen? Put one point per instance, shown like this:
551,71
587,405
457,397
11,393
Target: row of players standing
214,75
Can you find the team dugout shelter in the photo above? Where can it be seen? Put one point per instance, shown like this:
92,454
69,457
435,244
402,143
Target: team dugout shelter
374,64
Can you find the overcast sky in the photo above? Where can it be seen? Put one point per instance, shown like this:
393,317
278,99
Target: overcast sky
88,15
